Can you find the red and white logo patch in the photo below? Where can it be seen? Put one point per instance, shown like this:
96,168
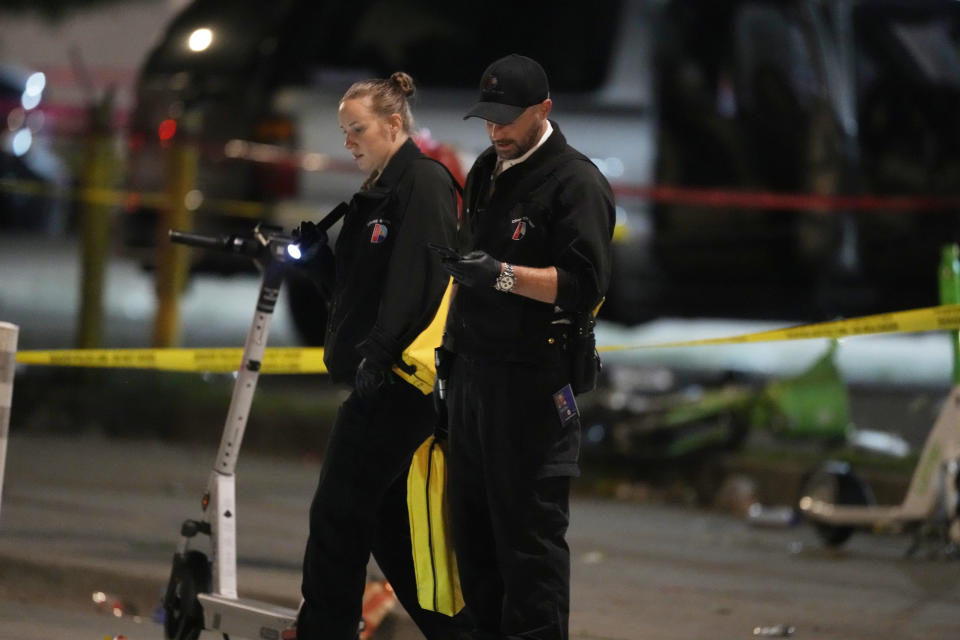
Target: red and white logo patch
520,227
379,232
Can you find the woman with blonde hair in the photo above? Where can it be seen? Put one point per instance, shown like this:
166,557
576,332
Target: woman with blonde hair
383,286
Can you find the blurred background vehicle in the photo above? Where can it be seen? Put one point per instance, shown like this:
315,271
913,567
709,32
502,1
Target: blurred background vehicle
206,90
31,172
804,97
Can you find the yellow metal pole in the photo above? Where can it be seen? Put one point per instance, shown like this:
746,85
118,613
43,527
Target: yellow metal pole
99,174
173,260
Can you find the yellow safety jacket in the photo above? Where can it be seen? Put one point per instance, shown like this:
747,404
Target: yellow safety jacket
420,369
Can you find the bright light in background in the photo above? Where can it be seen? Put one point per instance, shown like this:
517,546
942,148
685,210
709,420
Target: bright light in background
193,199
33,90
293,250
314,162
615,167
200,39
29,100
21,142
610,167
235,149
36,83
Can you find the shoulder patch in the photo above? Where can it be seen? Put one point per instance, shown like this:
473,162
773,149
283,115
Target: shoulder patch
379,230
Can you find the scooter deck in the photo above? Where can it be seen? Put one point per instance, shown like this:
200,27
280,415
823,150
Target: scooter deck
861,515
245,618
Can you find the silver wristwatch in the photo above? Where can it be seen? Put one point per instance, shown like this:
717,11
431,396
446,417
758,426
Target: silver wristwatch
506,280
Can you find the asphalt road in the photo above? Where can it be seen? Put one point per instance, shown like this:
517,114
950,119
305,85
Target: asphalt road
24,621
87,514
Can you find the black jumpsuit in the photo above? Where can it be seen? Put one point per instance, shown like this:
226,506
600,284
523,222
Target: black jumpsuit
386,288
514,442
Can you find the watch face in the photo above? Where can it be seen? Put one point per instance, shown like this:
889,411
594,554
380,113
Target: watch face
505,282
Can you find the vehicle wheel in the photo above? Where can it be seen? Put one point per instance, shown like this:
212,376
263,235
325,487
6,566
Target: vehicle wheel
307,309
190,576
835,482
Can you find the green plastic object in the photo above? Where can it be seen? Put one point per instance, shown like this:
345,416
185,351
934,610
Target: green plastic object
813,404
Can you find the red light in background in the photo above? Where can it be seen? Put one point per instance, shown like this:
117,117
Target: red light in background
166,129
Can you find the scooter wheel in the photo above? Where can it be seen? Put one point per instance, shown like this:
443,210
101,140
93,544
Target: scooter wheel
836,483
189,576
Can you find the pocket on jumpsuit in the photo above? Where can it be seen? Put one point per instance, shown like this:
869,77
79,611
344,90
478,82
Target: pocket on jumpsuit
563,456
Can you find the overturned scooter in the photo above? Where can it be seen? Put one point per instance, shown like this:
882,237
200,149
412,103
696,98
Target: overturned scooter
202,592
837,502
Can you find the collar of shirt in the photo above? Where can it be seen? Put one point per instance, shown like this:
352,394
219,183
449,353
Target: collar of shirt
397,164
503,165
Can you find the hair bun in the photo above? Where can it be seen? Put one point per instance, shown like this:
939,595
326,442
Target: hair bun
404,82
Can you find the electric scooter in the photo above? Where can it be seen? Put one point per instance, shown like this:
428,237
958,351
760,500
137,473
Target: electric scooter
202,591
837,502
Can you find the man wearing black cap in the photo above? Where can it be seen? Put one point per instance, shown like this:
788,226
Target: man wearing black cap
535,238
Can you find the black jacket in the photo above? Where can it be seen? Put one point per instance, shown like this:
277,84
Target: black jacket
388,284
542,213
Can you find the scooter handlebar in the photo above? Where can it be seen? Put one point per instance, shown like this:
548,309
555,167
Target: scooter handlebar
197,240
240,245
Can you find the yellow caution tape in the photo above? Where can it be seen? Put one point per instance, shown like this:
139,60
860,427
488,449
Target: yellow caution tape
927,319
118,198
310,359
275,360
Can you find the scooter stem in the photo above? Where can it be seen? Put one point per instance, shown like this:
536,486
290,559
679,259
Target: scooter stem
220,499
249,371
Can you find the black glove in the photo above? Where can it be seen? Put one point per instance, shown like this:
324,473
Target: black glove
310,239
476,269
370,377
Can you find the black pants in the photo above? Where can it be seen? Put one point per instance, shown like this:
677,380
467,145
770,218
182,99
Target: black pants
508,482
360,507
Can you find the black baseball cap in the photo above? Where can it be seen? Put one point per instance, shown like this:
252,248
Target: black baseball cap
508,87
